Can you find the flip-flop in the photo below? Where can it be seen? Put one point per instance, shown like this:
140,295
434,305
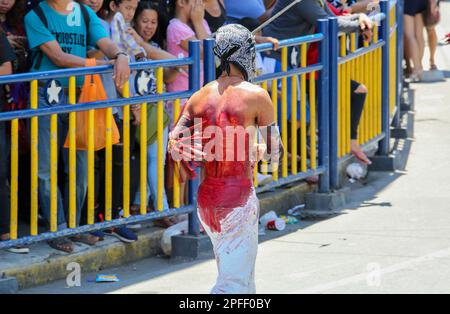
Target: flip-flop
85,239
163,223
61,244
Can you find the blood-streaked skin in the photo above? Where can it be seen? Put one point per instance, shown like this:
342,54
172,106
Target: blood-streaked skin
227,184
224,104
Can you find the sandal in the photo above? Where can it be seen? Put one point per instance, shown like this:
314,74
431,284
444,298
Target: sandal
433,67
62,244
136,210
163,223
86,239
174,220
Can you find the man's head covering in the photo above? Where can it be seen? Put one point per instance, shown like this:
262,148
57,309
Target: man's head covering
236,45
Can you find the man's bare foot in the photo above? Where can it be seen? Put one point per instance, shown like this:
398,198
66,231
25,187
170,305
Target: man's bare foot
358,153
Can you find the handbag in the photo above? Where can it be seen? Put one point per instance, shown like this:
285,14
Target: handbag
93,91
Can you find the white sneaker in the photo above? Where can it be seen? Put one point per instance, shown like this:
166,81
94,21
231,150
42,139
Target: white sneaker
19,250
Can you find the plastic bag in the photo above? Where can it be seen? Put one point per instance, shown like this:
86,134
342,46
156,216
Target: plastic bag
166,240
93,91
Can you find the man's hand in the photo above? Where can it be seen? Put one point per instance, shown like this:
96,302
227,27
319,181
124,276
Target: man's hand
121,71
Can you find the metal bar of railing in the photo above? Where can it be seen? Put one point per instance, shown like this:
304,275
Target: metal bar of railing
194,84
292,42
323,108
334,128
384,146
103,69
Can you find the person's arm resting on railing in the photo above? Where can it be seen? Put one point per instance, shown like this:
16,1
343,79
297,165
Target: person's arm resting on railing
40,37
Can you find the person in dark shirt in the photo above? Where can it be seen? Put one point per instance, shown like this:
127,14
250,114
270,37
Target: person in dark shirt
7,56
215,14
301,20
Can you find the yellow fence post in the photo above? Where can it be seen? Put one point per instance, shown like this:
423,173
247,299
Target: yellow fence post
176,174
312,109
14,178
126,152
294,124
144,161
108,165
91,169
275,165
53,173
284,128
264,169
34,160
160,131
303,152
72,155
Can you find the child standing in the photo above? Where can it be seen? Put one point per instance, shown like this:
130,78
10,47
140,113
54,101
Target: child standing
188,24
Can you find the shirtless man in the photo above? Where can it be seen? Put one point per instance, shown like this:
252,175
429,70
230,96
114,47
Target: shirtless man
227,204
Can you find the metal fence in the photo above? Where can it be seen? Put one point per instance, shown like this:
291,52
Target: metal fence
313,98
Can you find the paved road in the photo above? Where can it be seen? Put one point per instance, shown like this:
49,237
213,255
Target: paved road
393,238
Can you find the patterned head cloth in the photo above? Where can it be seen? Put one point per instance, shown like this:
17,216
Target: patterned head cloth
236,45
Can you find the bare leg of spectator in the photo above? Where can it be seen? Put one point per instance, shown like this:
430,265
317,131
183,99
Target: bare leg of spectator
358,98
432,44
419,27
412,49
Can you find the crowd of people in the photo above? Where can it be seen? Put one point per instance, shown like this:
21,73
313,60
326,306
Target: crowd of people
36,36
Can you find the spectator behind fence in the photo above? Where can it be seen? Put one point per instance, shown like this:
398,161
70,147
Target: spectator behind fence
432,37
122,233
254,9
6,58
146,23
187,24
358,97
215,14
17,96
58,41
301,20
